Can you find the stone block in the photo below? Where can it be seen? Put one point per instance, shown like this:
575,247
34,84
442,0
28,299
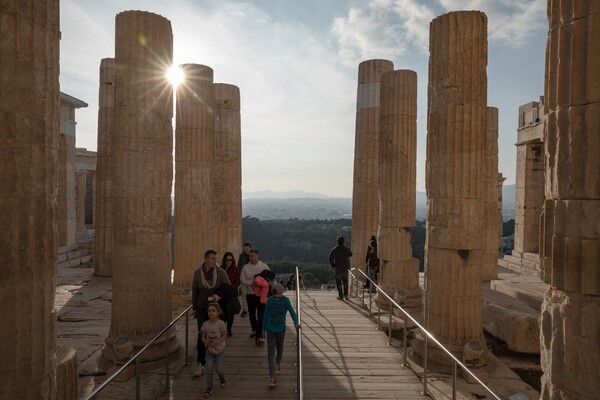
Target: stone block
73,254
86,259
67,249
61,258
66,373
124,375
512,321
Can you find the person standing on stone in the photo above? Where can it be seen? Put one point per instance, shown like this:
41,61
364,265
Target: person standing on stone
213,336
207,280
244,259
372,261
255,307
274,325
339,259
233,273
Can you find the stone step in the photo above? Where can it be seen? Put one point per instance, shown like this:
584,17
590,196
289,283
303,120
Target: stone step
529,289
70,263
73,254
86,259
67,249
83,252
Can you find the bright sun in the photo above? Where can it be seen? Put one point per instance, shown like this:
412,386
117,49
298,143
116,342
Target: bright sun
175,75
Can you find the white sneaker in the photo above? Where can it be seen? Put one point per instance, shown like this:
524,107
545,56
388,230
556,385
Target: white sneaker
199,370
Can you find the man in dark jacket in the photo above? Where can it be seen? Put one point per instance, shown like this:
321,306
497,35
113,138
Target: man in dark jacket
339,259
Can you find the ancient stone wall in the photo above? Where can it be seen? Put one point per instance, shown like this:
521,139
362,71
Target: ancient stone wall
492,217
104,217
194,159
143,146
365,197
29,114
227,171
570,242
397,185
455,180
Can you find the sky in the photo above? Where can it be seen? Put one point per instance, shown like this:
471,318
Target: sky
296,64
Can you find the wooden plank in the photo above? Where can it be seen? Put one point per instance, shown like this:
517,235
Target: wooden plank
345,356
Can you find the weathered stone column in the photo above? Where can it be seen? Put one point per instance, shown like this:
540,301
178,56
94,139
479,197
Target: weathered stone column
104,217
80,193
365,197
570,247
29,117
66,197
491,217
227,171
143,148
194,158
398,186
456,120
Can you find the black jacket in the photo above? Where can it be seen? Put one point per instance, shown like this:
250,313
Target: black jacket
339,257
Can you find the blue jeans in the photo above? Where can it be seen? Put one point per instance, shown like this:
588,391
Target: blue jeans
274,345
201,317
214,363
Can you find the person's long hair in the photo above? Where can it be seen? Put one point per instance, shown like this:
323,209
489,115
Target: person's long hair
223,264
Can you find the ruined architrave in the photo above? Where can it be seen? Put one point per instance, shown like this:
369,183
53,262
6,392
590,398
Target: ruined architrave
143,161
194,158
397,186
365,197
104,218
455,180
492,218
227,171
570,242
29,117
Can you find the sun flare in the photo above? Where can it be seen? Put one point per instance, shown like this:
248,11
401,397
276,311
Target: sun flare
175,75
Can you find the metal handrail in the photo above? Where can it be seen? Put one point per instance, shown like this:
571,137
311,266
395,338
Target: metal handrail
136,358
300,377
455,361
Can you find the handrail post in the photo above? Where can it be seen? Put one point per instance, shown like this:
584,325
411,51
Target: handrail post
454,379
370,301
187,330
378,312
390,324
138,372
425,367
167,380
404,363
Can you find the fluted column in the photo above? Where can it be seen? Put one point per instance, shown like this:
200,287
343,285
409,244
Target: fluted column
570,243
143,162
397,185
227,171
80,193
104,217
194,158
29,114
455,179
365,197
491,216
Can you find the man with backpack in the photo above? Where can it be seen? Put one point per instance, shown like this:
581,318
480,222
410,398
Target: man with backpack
339,259
255,307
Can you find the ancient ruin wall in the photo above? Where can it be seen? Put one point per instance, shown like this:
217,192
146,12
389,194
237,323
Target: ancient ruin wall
29,113
570,242
455,179
143,146
397,184
194,159
104,217
365,197
492,218
227,171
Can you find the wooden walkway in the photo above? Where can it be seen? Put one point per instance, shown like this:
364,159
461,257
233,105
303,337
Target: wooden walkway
344,356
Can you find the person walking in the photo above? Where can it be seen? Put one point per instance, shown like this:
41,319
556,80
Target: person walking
274,325
233,273
255,307
339,259
372,262
244,259
214,334
207,279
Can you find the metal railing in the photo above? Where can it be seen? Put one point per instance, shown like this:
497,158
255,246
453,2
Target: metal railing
426,334
136,359
300,377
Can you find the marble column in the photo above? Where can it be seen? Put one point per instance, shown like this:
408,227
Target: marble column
194,158
399,274
570,232
80,194
365,197
455,180
66,196
29,117
143,159
491,217
227,171
104,217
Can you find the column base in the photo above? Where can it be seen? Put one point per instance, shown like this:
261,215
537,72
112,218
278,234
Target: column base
438,360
